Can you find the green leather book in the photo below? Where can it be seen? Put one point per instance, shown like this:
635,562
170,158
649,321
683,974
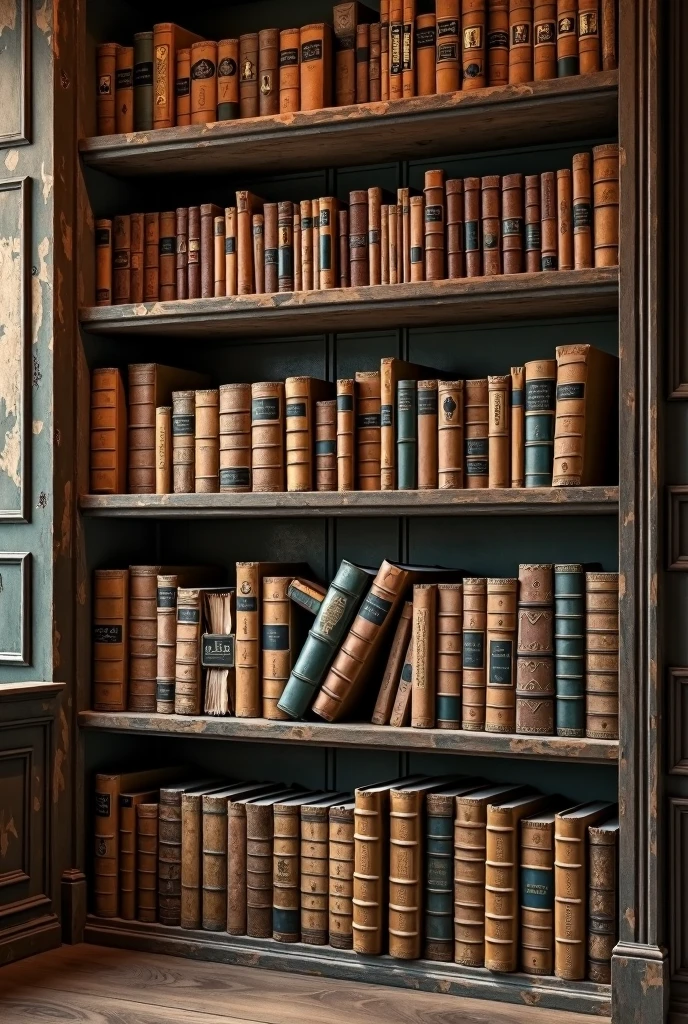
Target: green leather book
540,412
143,81
329,629
407,435
569,649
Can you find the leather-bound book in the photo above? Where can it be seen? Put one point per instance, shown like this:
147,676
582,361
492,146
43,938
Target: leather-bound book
571,886
374,85
605,184
470,825
147,862
474,654
137,256
403,235
315,868
167,39
286,867
306,209
499,444
285,246
564,226
247,206
296,247
227,79
498,42
103,230
589,36
258,242
533,238
401,709
396,47
248,76
602,898
602,655
289,73
121,260
368,440
341,874
236,856
166,642
393,231
143,81
358,238
491,224
270,247
182,252
427,474
334,617
537,891
188,698
163,449
143,631
535,651
110,639
548,222
259,863
183,441
450,436
520,41
500,696
424,630
374,231
425,54
582,211
219,257
203,82
512,223
106,103
518,380
540,403
608,35
449,647
207,458
346,435
384,49
209,214
544,39
393,668
393,370
327,242
191,851
279,638
384,244
407,435
151,257
326,445
316,66
267,435
448,65
315,206
417,237
268,71
362,63
343,246
476,432
301,394
473,25
502,848
167,260
567,38
108,468
587,399
569,649
435,264
170,847
307,594
473,226
193,258
408,49
456,262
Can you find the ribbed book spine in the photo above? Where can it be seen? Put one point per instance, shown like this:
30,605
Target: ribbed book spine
427,473
537,895
183,441
602,655
346,435
439,878
476,433
286,917
341,869
326,446
406,884
147,862
540,406
424,634
450,433
370,870
314,874
142,636
449,655
474,654
110,639
166,643
393,668
207,454
407,435
535,651
277,643
187,691
569,649
500,698
267,436
367,386
602,899
469,883
235,438
517,426
499,422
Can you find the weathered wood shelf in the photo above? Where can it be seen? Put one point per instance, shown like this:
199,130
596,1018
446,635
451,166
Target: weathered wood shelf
559,110
360,735
426,303
311,504
426,975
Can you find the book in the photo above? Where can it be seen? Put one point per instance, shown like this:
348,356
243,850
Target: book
237,858
110,639
137,247
520,41
456,265
128,803
167,256
289,74
401,708
235,438
564,227
286,867
473,25
285,246
343,259
408,49
362,63
512,223
448,61
407,435
368,429
518,377
608,35
341,873
474,654
301,394
267,436
143,81
535,651
147,862
143,625
220,679
393,668
427,430
549,249
472,222
569,649
449,668
602,898
248,76
384,244
586,410
605,184
374,85
581,210
491,224
258,246
500,694
219,256
207,441
307,594
384,49
103,233
151,257
393,233
417,237
499,421
424,631
183,87
167,39
589,36
544,39
403,235
396,32
121,259
315,814
193,255
374,232
228,81
192,846
270,250
326,445
450,433
108,448
163,449
532,231
359,267
334,617
537,891
602,655
268,71
393,370
567,38
306,212
259,863
279,642
296,239
476,433
167,586
183,441
188,696
434,229
540,410
106,103
498,42
210,213
316,66
170,846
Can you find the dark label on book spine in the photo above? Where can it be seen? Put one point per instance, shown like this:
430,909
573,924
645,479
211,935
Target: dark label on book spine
234,477
246,604
539,395
447,51
275,638
358,241
395,34
373,237
306,223
434,214
501,653
227,68
473,650
416,254
107,634
183,425
511,226
425,37
230,246
545,32
202,69
375,609
477,467
549,263
143,73
370,419
325,447
497,40
537,888
407,672
167,597
311,51
120,259
289,57
124,79
566,391
164,691
217,650
168,246
325,251
296,409
265,409
271,257
362,55
345,403
477,446
103,236
190,615
532,240
516,398
447,27
324,218
183,87
103,805
387,415
472,235
520,34
427,402
490,240
126,801
582,215
285,262
407,56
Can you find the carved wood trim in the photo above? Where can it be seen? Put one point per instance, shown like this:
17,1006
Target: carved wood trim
677,714
22,137
23,655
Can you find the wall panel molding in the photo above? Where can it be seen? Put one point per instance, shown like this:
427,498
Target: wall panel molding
21,654
677,527
678,883
15,77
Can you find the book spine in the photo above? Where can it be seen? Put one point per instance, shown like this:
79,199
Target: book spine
588,36
110,639
193,260
537,897
473,25
396,47
517,426
315,206
564,227
417,237
248,698
121,260
345,23
474,649
219,257
306,208
544,39
214,864
151,256
573,389
491,224
167,587
299,433
539,421
137,247
472,227
193,842
203,82
393,669
183,441
535,651
187,687
501,887
286,857
268,71
569,649
405,871
439,878
605,179
103,233
582,211
404,246
384,49
393,215
267,436
512,223
108,436
367,386
358,238
270,247
164,74
520,41
285,246
449,655
182,254
244,243
570,898
343,258
106,845
236,868
567,38
549,245
258,245
401,709
327,242
602,655
407,435
141,429
314,875
498,42
469,882
306,595
427,474
341,871
163,450
456,262
209,214
106,102
426,43
170,857
147,862
277,628
370,871
142,637
362,63
533,235
500,697
374,232
602,903
346,435
326,446
476,433
423,696
316,67
408,49
167,259
296,243
143,81
448,59
248,76
228,80
389,416
289,75
259,855
608,38
384,244
207,446
435,264
450,437
499,443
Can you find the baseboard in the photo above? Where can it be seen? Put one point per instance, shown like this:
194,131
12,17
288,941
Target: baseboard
29,938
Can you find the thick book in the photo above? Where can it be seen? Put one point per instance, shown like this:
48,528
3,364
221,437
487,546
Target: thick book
326,445
110,639
316,66
424,632
267,436
427,440
499,423
289,73
449,657
143,632
368,429
585,449
167,39
498,42
395,663
341,873
191,851
474,681
450,434
605,182
476,432
315,867
170,847
207,441
540,408
106,65
544,40
286,867
448,61
183,441
147,862
235,438
535,651
500,695
279,641
346,435
128,804
236,859
602,655
247,206
407,435
300,397
259,864
434,226
569,649
473,25
346,18
143,81
537,891
603,871
167,586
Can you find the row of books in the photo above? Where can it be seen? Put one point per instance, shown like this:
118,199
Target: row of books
535,655
471,227
171,76
547,423
448,869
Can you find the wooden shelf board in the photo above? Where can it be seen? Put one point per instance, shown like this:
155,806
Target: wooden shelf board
558,110
348,504
360,735
378,307
426,975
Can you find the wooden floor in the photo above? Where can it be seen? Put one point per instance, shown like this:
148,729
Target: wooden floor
93,985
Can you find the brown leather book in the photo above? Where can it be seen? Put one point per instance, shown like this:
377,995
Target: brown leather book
143,633
512,223
289,74
167,40
393,257
498,42
518,385
548,222
188,696
315,868
587,396
449,655
588,36
270,249
384,49
401,709
564,226
396,47
500,696
167,259
235,438
403,235
209,214
167,586
448,62
248,77
279,641
247,206
499,412
137,250
502,849
170,847
362,63
182,87
392,370
236,858
147,862
473,38
315,206
520,41
326,445
163,449
106,77
571,886
435,265
306,210
121,260
341,872
456,265
450,435
259,864
535,651
183,441
316,66
327,242
374,231
368,434
567,38
219,256
384,244
408,49
417,237
476,432
207,457
537,891
151,257
427,435
103,230
474,651
227,79
602,898
193,258
258,241
582,211
268,71
608,35
605,184
110,639
532,242
544,39
191,851
472,227
424,656
491,224
425,54
108,473
343,260
358,238
203,82
286,867
602,655
395,663
346,435
296,242
374,84
285,246
182,252
267,435
301,395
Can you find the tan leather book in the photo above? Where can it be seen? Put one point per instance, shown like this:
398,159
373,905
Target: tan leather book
247,205
183,441
491,224
182,252
166,642
401,709
235,438
589,58
103,233
499,411
167,40
236,858
121,260
193,260
163,449
424,655
535,651
603,915
270,250
258,238
537,890
473,39
279,641
472,227
207,458
403,235
608,35
474,654
315,868
267,436
408,49
289,73
209,214
476,432
259,863
137,252
106,76
450,433
108,462
374,84
582,211
227,80
449,655
326,445
345,19
143,634
393,669
518,385
268,71
392,370
219,256
502,849
368,433
396,48
520,41
170,846
374,235
188,698
500,696
544,39
498,42
384,49
346,435
182,87
512,223
316,66
605,179
564,225
384,244
296,241
203,82
393,231
587,396
248,76
286,867
533,240
548,222
327,242
285,246
306,210
448,64
427,435
362,63
571,886
192,847
147,862
417,237
151,257
434,213
567,38
110,639
341,874
602,655
425,34
358,238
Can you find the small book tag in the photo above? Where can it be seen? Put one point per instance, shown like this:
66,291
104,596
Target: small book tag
217,650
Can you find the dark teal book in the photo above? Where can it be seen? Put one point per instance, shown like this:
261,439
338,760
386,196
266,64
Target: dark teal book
331,625
407,435
540,410
143,81
569,649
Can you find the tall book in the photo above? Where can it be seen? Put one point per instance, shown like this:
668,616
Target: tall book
166,642
219,614
103,231
316,66
500,696
569,649
267,436
474,654
472,224
259,864
499,422
424,632
235,438
143,81
587,400
326,445
602,898
567,38
448,66
248,76
110,639
286,867
289,75
183,441
449,655
476,432
393,370
315,868
143,633
498,42
535,651
401,709
512,223
456,265
605,184
532,227
537,891
147,862
491,207
207,454
544,39
167,39
191,851
582,211
106,62
188,691
121,259
341,872
227,80
450,433
393,668
427,471
128,804
368,429
540,408
163,449
548,222
564,227
279,641
300,396
170,847
346,435
518,380
236,859
407,435
602,655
